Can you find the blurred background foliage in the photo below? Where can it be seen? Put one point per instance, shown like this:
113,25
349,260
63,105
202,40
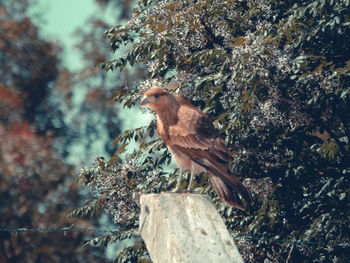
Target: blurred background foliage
274,78
272,75
41,128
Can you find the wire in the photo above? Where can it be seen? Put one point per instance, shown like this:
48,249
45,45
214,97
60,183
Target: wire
56,229
110,231
295,242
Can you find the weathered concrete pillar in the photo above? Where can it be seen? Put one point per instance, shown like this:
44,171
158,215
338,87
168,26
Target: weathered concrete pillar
184,228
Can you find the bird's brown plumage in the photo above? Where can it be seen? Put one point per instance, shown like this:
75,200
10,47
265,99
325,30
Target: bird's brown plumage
194,143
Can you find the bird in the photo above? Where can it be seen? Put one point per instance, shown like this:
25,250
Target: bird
195,144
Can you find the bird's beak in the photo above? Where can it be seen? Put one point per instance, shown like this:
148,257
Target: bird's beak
145,100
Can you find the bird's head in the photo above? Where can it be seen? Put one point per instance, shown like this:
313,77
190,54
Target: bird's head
157,99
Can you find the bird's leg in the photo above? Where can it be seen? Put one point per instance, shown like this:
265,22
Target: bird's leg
189,187
178,185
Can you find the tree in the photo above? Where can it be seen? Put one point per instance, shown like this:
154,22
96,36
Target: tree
96,114
36,186
274,78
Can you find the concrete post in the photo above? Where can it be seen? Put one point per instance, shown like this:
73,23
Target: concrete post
185,228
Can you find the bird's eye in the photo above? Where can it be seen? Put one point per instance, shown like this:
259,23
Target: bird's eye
156,95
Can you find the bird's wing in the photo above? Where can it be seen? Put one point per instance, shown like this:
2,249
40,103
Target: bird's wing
195,136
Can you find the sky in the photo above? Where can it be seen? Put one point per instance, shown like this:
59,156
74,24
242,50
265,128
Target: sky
59,19
62,17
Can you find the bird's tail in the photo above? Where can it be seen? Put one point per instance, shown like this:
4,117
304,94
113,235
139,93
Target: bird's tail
229,188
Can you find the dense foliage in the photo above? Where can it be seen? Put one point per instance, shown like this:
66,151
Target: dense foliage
274,78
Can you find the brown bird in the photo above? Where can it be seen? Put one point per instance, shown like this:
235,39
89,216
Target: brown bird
195,144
